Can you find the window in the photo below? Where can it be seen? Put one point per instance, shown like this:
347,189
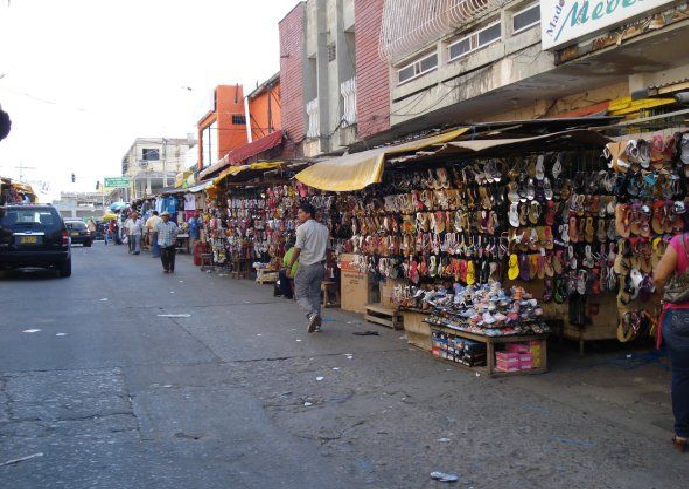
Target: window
238,120
481,38
406,74
525,18
417,68
489,34
150,154
332,52
460,48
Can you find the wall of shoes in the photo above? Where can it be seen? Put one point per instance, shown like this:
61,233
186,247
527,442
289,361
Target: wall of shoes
580,226
256,223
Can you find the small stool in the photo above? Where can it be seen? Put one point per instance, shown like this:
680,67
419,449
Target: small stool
326,289
207,262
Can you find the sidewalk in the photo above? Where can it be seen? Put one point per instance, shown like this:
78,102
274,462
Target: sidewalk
386,408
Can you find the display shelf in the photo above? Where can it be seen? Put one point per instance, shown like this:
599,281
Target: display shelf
491,341
385,316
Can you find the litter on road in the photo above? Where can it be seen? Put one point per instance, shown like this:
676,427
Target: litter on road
366,333
31,331
60,334
319,378
174,315
444,477
22,459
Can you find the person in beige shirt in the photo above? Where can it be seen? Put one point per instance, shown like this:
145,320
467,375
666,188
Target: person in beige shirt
310,250
151,225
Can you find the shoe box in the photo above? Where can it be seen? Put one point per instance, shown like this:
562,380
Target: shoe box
457,349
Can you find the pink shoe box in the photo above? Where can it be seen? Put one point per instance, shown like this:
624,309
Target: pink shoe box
507,357
525,366
507,367
518,347
525,357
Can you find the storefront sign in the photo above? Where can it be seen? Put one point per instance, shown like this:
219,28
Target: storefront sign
563,21
118,182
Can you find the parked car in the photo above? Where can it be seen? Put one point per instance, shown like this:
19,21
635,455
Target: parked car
34,236
79,233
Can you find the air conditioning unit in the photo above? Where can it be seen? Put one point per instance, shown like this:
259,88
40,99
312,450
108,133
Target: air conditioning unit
143,164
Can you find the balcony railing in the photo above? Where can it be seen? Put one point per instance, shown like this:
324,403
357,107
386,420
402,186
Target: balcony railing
348,91
314,129
411,25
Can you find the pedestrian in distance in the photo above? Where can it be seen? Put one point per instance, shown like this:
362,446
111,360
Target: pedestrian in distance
167,236
286,275
128,224
152,224
135,226
674,330
310,250
92,228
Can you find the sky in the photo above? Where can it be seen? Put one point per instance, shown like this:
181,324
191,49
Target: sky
84,78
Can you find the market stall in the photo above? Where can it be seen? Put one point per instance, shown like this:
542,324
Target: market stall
555,215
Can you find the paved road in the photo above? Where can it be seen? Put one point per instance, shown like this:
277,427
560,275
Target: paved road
238,395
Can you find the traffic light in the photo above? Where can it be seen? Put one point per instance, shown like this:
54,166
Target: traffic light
97,184
74,178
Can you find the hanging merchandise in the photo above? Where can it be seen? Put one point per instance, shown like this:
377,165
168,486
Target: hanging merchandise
250,227
650,179
429,226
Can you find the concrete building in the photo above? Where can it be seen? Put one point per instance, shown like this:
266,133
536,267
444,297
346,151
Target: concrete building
82,206
154,163
223,128
453,62
335,89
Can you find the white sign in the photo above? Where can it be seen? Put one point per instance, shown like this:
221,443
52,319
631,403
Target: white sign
563,21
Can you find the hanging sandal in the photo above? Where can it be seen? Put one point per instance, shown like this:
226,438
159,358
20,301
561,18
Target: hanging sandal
513,271
471,273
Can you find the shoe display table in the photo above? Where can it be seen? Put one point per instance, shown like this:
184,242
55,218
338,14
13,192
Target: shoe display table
491,367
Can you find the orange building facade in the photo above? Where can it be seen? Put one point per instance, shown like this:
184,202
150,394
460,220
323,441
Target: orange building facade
264,108
223,128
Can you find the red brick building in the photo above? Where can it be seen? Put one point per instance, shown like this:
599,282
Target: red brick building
372,72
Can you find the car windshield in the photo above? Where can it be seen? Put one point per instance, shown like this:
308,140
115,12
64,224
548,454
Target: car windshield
76,225
13,217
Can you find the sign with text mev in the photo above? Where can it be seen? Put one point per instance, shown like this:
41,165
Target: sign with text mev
564,21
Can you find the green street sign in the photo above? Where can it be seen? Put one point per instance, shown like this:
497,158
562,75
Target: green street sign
118,182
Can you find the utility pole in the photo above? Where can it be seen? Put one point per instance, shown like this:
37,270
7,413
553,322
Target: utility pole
164,155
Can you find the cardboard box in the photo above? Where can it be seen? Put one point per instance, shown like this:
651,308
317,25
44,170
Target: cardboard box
386,288
507,357
354,287
518,347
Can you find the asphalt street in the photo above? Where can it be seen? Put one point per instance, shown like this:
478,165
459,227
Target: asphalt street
101,388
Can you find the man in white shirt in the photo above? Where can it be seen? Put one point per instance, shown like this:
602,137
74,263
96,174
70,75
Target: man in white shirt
310,249
134,231
167,236
127,225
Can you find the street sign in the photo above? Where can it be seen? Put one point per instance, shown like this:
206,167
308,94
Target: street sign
118,182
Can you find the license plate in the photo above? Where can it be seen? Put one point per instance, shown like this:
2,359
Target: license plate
28,240
75,234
